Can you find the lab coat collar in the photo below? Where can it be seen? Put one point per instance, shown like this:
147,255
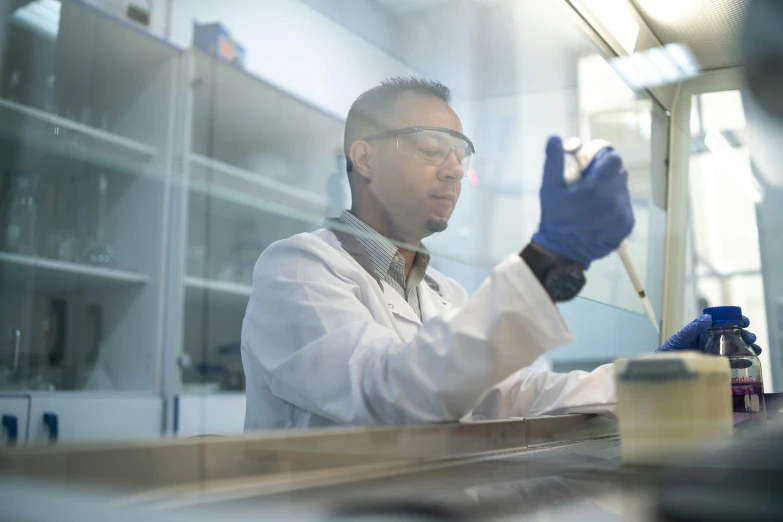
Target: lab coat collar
351,245
355,249
431,300
398,305
407,323
380,249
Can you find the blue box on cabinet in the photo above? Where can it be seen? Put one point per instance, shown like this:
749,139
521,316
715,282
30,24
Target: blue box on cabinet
215,40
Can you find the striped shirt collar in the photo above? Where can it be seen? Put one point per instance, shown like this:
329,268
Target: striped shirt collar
382,252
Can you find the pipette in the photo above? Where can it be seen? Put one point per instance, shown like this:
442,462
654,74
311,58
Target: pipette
583,155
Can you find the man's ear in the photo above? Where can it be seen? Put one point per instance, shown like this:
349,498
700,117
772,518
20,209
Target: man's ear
361,159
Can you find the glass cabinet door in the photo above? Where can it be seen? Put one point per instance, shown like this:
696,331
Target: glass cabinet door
84,146
258,170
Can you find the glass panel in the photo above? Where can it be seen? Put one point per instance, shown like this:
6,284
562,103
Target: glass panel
152,151
734,221
260,163
610,110
266,143
85,144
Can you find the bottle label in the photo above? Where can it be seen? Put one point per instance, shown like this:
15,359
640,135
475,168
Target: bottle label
747,401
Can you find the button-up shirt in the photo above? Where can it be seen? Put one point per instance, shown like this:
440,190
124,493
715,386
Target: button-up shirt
388,262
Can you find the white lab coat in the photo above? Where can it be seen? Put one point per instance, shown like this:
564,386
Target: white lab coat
325,343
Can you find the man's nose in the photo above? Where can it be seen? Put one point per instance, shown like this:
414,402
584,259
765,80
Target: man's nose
451,168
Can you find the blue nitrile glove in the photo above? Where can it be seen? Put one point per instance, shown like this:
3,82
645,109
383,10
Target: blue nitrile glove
693,336
586,220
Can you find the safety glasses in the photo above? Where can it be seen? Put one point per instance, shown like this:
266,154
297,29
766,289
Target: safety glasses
431,145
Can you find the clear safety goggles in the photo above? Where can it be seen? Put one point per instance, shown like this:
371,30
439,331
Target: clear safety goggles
431,145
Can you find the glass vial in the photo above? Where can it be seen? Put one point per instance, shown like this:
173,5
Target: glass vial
22,215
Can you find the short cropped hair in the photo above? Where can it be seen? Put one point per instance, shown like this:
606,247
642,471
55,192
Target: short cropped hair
370,112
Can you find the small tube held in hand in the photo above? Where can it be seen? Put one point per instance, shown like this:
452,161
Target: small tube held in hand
622,251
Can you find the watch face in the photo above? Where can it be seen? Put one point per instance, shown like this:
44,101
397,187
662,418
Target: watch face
565,282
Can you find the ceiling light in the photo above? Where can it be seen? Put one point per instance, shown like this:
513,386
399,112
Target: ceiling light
628,71
615,18
666,68
657,66
683,58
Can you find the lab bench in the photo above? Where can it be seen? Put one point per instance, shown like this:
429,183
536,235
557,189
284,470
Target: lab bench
559,468
266,463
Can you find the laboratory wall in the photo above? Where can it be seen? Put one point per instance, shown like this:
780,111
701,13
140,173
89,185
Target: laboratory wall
146,165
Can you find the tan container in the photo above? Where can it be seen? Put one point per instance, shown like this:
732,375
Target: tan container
672,405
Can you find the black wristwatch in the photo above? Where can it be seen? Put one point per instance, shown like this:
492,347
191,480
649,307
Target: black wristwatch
562,278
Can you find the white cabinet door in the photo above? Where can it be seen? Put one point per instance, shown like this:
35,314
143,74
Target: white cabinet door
13,413
71,418
218,414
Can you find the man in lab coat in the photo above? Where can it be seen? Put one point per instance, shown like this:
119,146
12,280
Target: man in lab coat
349,325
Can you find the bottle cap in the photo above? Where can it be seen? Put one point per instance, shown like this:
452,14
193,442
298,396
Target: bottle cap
725,315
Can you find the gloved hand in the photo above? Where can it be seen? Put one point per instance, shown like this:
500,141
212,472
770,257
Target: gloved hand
590,218
693,336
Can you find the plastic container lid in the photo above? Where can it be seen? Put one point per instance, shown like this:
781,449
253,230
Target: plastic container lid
668,366
725,315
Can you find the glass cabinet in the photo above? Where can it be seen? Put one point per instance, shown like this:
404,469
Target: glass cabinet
85,112
85,145
257,170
